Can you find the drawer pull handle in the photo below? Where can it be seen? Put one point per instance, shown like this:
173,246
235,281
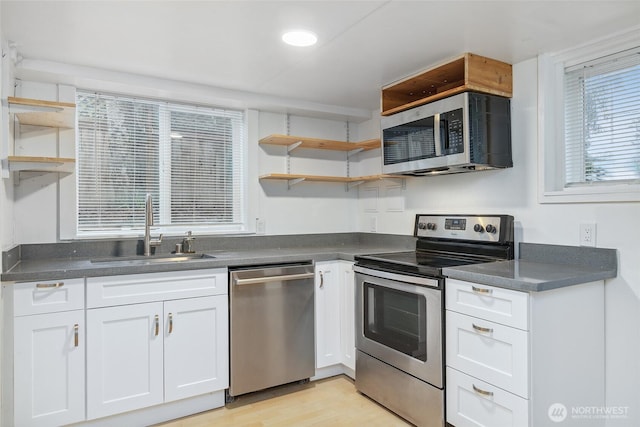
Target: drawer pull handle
482,290
481,391
481,329
75,335
49,285
321,280
170,322
157,321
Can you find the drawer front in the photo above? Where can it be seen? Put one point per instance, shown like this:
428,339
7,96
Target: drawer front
498,305
492,352
142,288
473,403
48,296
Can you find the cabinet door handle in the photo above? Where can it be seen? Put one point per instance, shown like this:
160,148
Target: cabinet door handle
157,322
321,280
481,329
170,322
481,290
76,338
49,285
481,391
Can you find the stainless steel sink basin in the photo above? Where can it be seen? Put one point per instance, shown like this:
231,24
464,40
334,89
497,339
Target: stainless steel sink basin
153,259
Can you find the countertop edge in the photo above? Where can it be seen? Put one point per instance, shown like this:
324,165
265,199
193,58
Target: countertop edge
84,268
525,286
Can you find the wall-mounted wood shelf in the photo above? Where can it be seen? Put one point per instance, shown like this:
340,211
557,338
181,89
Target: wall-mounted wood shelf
40,164
36,112
51,114
467,73
352,181
294,142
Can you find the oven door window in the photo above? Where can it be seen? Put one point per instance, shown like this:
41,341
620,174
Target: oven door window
396,319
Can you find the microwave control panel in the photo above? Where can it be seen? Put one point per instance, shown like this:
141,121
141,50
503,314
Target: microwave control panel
451,132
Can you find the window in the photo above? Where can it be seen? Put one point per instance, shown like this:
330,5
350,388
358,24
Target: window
602,121
589,122
189,158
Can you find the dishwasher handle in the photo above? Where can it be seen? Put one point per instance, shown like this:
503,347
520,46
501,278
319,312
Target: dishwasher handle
268,279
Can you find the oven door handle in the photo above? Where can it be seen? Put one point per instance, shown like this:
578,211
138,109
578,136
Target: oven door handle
424,281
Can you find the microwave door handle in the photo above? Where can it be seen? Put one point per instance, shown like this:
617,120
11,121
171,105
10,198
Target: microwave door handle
436,134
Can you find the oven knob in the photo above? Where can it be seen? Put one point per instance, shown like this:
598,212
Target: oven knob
431,226
491,229
422,225
478,228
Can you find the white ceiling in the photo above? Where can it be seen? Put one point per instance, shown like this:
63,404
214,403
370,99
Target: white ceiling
362,46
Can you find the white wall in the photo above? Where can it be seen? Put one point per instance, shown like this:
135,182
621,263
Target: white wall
36,209
513,191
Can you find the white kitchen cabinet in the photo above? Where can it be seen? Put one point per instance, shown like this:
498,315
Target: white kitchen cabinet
513,355
327,306
335,321
347,315
49,369
145,354
196,346
124,358
43,378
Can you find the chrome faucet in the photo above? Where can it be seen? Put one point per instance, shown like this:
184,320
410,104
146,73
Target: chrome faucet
148,222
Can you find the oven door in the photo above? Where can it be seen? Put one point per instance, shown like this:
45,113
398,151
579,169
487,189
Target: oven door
400,324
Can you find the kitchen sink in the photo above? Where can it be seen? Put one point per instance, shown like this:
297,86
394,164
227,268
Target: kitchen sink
153,259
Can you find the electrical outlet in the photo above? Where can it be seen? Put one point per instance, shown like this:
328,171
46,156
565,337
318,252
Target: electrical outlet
588,234
373,224
260,226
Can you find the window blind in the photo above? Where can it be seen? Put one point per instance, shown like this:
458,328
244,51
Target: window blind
602,121
189,158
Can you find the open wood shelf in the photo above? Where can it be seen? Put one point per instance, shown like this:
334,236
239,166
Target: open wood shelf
467,73
40,164
36,112
317,143
296,178
323,178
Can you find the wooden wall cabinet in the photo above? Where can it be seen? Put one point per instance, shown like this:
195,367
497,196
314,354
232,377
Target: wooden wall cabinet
467,73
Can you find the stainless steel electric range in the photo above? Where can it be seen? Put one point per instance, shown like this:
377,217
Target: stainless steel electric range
400,310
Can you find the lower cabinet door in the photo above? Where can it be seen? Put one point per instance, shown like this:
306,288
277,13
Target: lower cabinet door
327,311
196,346
473,403
49,369
347,315
124,358
491,351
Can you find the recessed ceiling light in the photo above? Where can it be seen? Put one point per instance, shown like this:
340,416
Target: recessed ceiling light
301,38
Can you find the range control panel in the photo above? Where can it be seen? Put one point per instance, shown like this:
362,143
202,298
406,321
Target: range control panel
482,228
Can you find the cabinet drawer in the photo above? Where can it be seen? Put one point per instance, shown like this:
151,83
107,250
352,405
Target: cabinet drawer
142,288
498,305
48,296
492,352
473,403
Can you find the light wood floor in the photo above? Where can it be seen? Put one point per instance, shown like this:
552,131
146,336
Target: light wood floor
329,402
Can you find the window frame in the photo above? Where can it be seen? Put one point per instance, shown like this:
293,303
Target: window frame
551,148
69,192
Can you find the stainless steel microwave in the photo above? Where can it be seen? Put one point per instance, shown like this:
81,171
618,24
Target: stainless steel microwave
462,133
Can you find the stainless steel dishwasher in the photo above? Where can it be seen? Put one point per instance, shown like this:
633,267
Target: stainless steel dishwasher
271,326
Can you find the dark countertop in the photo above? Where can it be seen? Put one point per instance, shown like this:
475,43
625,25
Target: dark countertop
542,268
41,262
